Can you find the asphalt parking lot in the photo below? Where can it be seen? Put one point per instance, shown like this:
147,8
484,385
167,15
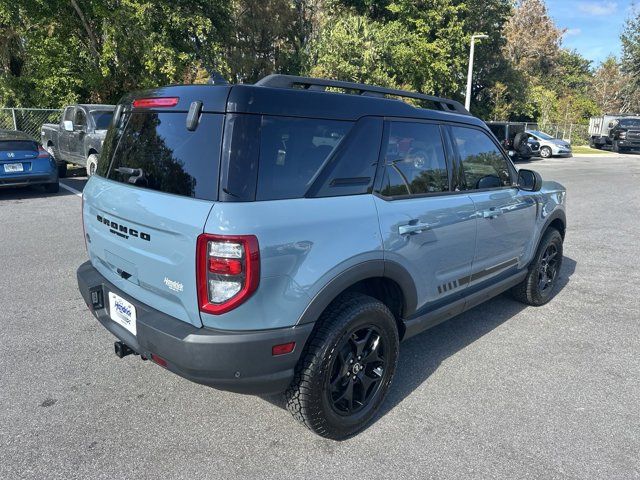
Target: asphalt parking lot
503,391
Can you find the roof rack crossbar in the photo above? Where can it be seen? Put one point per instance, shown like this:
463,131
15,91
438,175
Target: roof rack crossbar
320,84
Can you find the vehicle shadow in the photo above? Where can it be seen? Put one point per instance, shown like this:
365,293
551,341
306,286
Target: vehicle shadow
421,355
33,191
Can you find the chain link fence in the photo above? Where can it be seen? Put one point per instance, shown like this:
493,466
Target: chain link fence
28,120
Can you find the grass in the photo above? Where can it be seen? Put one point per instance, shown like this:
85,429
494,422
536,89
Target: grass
585,149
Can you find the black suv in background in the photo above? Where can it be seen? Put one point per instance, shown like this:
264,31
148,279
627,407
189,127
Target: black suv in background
515,140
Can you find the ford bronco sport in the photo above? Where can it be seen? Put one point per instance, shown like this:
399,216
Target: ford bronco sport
285,236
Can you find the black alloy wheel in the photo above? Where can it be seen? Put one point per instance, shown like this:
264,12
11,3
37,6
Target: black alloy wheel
357,370
548,268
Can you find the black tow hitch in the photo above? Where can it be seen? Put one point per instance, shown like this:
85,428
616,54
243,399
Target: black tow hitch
122,349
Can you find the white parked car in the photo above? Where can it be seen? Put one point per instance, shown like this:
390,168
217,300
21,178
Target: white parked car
550,146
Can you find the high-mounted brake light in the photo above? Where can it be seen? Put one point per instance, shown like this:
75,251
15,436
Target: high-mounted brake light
228,271
155,102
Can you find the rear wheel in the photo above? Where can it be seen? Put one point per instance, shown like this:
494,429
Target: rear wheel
52,187
537,287
545,152
92,164
62,165
347,367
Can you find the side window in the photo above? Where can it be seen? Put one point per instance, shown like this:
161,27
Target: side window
292,151
80,118
483,164
68,114
414,160
352,169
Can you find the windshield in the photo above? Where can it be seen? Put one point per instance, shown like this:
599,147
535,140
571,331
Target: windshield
542,135
630,123
102,119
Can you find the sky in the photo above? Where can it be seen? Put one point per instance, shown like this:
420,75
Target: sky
593,26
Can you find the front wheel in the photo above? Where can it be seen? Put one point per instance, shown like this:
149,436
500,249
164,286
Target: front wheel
545,152
346,369
537,287
92,164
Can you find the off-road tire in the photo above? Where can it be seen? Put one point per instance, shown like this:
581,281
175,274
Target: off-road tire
308,396
529,290
92,164
545,152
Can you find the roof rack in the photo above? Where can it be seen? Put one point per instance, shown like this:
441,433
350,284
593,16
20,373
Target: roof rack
320,84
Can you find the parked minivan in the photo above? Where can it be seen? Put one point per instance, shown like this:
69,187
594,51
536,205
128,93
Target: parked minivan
285,237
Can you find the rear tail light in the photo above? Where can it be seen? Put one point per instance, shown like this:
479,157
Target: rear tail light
42,153
228,271
155,102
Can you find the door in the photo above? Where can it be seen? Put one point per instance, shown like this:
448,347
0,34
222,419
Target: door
426,227
76,144
506,216
64,137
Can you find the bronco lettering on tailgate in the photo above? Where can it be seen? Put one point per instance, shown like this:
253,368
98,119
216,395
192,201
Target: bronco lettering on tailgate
122,230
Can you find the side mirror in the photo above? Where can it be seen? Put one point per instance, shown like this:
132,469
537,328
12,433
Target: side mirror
529,180
68,125
612,124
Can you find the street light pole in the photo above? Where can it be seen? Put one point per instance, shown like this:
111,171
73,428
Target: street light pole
467,101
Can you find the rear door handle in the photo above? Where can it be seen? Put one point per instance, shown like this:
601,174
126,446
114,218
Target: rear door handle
492,213
413,228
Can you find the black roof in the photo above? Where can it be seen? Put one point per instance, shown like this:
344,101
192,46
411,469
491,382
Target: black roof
306,97
13,135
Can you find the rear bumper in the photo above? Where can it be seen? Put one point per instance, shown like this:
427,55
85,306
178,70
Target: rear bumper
23,179
237,361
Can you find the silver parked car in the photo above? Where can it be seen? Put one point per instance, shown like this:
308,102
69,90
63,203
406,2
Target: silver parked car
550,146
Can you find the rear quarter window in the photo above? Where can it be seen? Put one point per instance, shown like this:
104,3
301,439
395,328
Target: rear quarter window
292,152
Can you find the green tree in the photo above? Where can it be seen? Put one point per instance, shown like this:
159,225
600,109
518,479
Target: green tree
95,50
630,63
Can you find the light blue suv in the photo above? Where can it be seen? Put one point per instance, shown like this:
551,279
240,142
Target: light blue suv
285,237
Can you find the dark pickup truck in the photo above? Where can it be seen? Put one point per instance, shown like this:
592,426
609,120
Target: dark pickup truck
78,137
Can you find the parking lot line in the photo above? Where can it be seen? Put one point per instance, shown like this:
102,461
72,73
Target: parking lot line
72,190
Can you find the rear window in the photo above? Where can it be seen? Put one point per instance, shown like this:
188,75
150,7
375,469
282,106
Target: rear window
500,131
102,119
155,150
15,145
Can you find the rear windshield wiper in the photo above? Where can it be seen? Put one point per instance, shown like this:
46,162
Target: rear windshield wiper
137,174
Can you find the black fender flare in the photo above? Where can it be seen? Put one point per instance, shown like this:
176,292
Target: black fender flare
362,271
555,215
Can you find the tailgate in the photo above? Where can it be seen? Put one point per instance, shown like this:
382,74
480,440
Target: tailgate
144,242
148,203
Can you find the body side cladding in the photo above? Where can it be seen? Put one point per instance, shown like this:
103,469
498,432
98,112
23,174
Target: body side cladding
419,324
